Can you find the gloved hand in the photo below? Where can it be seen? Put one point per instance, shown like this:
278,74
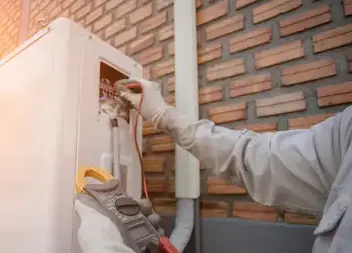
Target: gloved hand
163,116
153,104
96,233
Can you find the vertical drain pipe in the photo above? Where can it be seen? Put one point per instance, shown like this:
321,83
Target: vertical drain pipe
186,98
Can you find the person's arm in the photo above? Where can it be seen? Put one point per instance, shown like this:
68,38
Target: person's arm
292,169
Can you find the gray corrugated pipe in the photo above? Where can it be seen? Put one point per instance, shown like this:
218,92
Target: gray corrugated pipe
186,97
184,223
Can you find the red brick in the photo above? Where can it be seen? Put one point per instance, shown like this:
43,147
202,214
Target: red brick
142,43
156,185
251,39
112,4
308,72
210,94
221,186
149,129
115,27
150,55
209,208
126,36
94,15
165,206
225,69
125,8
153,164
162,144
66,12
164,68
199,3
243,3
347,4
171,84
166,32
51,6
123,49
296,218
65,4
171,48
279,54
171,186
210,52
228,113
274,8
104,21
253,211
250,85
349,59
334,38
142,13
224,27
163,4
145,146
83,11
258,127
100,33
307,20
285,103
81,23
213,12
54,13
153,22
308,122
172,164
97,3
146,73
335,94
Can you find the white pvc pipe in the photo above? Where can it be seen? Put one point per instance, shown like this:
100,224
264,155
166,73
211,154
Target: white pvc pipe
186,92
186,98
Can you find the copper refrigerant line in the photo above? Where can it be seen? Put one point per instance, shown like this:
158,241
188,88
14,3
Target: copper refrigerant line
108,91
112,92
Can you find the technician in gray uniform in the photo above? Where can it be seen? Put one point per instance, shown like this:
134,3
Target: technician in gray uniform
301,170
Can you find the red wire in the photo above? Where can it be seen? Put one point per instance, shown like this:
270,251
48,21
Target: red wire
144,182
165,244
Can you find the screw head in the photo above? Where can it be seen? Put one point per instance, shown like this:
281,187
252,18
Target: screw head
127,206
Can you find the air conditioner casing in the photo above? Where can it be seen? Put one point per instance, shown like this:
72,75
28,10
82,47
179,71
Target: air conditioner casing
51,125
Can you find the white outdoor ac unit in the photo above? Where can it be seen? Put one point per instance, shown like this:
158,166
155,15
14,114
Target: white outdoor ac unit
50,126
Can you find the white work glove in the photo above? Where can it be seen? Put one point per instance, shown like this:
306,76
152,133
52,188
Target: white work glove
96,233
163,116
153,104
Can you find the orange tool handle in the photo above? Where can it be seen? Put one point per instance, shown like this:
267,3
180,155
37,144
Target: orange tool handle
165,246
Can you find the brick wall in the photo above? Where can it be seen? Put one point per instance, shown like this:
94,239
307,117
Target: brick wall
265,65
10,12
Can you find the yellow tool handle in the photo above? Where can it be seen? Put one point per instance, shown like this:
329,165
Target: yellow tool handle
95,173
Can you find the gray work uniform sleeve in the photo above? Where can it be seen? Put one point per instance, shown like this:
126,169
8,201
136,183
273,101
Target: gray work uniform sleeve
293,169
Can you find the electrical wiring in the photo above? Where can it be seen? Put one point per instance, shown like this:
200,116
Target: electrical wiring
133,86
165,245
111,102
